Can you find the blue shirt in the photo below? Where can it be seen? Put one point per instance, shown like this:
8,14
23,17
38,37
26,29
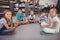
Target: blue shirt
20,17
31,17
43,17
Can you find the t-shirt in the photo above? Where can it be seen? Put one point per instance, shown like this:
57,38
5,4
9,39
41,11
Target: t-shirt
20,17
3,20
54,19
31,17
43,23
43,17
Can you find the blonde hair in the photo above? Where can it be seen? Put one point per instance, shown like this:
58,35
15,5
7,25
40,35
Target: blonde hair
54,9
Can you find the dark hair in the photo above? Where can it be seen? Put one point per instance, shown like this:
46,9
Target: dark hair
19,9
43,11
31,9
52,7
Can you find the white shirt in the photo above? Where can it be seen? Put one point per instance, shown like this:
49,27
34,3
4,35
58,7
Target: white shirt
30,16
54,19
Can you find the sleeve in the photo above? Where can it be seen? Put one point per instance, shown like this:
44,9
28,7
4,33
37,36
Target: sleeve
56,19
24,15
16,15
29,16
13,20
3,20
46,18
34,17
40,17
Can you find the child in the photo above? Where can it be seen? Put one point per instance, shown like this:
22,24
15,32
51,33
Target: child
20,17
43,19
32,17
53,22
7,23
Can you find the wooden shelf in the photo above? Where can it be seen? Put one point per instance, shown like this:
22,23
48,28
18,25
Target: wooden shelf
4,6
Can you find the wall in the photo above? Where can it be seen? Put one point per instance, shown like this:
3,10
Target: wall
48,2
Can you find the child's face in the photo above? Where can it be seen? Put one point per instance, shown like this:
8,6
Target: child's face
29,0
43,14
20,11
32,13
52,13
8,15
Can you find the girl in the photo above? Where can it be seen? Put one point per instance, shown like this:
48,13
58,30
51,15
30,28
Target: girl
7,23
53,22
32,17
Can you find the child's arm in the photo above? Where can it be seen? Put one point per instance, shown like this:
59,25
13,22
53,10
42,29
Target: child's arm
13,25
6,25
23,15
54,24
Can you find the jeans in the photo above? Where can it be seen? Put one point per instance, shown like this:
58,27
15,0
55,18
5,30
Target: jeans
6,31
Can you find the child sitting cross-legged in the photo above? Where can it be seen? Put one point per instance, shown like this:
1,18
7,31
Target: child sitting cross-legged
6,23
32,18
43,19
20,17
53,22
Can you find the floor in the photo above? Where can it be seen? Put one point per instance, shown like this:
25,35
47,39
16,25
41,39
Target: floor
30,31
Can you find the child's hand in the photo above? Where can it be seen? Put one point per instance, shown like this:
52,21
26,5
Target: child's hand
9,23
14,27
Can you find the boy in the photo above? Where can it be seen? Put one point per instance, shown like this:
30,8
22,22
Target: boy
20,17
43,19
